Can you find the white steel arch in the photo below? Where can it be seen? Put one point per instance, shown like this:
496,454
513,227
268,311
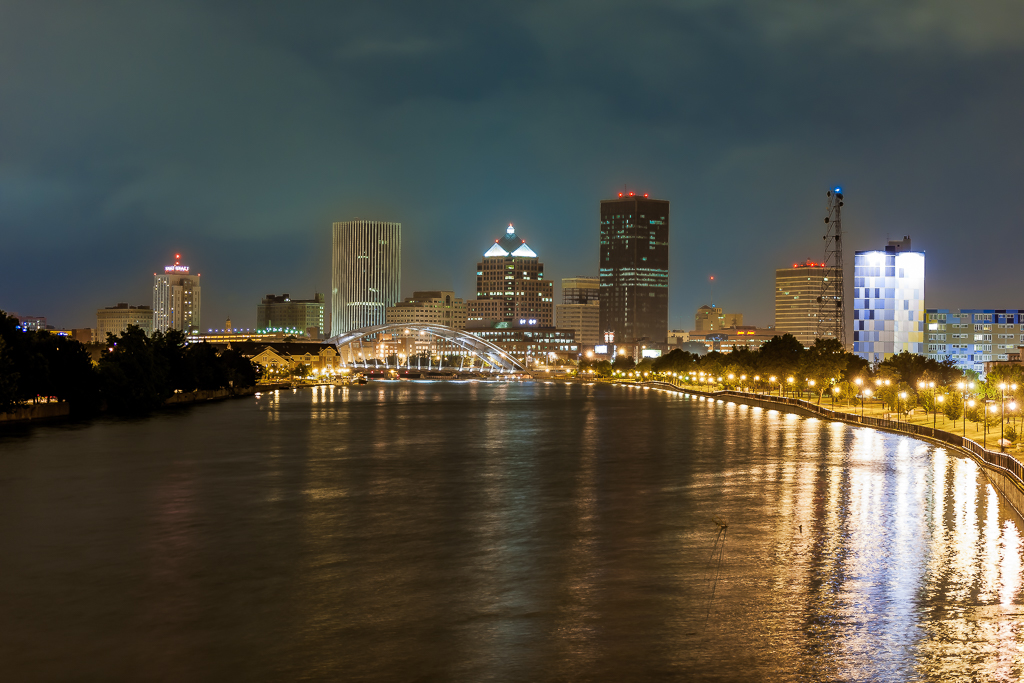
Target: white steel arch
488,352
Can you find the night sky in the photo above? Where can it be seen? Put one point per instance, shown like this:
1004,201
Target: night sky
236,133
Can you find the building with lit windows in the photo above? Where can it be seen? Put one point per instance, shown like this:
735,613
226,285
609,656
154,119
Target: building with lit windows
634,268
116,319
366,273
177,299
796,300
711,319
888,301
580,309
971,337
433,307
529,344
510,285
282,312
727,339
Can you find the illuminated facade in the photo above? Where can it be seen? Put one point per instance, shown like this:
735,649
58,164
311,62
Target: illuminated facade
634,269
436,307
510,285
888,301
366,273
116,319
177,299
580,309
711,319
796,300
529,344
972,337
283,312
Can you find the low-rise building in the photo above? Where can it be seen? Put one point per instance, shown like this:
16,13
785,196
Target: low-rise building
711,319
734,337
277,357
116,319
282,313
438,307
86,335
972,337
528,343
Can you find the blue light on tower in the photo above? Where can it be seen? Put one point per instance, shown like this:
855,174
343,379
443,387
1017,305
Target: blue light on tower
838,190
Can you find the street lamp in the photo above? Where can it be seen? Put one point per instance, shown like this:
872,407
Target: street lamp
970,404
963,387
938,399
835,392
790,381
902,395
867,395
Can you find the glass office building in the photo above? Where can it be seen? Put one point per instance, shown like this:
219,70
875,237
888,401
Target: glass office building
634,269
888,301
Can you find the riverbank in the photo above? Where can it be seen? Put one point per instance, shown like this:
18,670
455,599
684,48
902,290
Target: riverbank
56,411
1004,471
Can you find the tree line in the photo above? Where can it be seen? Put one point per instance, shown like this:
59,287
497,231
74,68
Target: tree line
135,373
782,365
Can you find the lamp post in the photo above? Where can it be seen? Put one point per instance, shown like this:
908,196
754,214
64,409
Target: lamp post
835,392
938,399
963,405
867,394
970,404
789,380
810,383
901,396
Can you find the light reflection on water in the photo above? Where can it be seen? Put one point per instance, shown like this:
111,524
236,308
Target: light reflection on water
480,531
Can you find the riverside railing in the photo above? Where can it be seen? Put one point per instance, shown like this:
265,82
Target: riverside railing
1003,462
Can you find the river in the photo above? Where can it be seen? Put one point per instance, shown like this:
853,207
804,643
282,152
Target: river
417,531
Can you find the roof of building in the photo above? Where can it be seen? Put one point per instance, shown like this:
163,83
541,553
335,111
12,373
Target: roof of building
510,244
254,348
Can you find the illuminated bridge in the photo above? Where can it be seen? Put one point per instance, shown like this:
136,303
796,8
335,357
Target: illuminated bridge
421,346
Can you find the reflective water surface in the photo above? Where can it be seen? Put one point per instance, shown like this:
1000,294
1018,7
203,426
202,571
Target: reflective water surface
485,532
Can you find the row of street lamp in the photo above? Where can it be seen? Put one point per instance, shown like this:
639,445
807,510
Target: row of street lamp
864,392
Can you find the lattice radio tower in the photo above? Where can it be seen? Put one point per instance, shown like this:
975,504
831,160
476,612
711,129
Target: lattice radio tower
831,309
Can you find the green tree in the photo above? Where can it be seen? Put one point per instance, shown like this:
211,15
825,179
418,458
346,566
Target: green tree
623,363
8,380
132,380
823,364
953,406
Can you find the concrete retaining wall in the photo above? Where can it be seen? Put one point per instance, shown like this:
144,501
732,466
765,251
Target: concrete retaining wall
209,395
36,411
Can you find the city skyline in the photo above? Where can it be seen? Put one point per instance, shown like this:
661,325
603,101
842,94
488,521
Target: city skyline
454,121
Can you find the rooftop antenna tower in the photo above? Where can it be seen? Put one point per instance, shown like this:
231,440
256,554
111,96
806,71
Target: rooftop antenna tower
831,308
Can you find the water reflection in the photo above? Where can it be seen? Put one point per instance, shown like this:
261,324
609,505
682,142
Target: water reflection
476,531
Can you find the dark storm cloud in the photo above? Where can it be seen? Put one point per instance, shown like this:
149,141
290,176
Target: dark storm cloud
238,131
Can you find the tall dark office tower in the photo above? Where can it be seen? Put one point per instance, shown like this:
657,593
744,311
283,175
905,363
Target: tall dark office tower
634,268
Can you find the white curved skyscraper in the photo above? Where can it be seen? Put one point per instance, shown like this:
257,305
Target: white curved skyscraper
366,273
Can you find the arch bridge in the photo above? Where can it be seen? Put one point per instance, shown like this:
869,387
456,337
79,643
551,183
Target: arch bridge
444,342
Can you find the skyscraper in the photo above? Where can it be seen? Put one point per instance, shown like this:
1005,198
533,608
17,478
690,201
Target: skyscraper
796,300
176,299
888,301
634,268
366,273
510,285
